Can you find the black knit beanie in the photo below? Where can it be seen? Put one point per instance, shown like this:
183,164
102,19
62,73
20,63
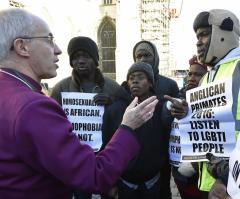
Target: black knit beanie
201,21
143,67
85,44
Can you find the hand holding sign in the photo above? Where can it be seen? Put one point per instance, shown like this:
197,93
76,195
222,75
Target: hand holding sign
178,107
135,115
218,167
102,99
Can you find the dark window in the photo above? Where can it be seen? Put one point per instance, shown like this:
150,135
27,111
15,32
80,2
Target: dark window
107,47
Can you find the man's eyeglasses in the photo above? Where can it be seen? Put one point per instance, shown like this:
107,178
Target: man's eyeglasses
49,37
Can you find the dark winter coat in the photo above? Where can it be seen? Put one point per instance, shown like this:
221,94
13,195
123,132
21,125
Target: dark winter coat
103,85
152,137
162,86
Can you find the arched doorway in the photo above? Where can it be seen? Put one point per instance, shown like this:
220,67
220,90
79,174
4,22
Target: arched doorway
107,47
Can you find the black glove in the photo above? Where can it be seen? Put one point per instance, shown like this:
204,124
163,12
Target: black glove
218,167
102,99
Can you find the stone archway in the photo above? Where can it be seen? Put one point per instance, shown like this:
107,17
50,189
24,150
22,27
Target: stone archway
107,46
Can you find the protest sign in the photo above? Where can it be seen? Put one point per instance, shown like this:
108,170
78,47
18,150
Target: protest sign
85,116
174,144
209,126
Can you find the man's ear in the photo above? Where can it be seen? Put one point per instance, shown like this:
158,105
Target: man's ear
20,47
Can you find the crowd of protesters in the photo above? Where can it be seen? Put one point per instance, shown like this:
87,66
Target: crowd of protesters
127,154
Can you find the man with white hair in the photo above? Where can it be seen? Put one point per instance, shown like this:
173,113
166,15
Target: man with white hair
40,156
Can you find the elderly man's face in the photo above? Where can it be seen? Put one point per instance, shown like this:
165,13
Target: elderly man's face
42,52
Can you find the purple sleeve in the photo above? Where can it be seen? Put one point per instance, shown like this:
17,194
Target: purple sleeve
45,142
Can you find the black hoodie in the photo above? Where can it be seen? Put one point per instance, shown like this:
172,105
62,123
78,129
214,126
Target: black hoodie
162,85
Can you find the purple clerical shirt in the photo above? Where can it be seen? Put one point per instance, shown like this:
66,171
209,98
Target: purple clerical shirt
40,156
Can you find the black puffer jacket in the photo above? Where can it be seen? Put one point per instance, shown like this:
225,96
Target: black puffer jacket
152,137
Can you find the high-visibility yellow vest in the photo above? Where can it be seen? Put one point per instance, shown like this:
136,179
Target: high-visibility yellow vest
227,70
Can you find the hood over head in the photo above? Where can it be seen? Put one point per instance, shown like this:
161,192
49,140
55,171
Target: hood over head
149,46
